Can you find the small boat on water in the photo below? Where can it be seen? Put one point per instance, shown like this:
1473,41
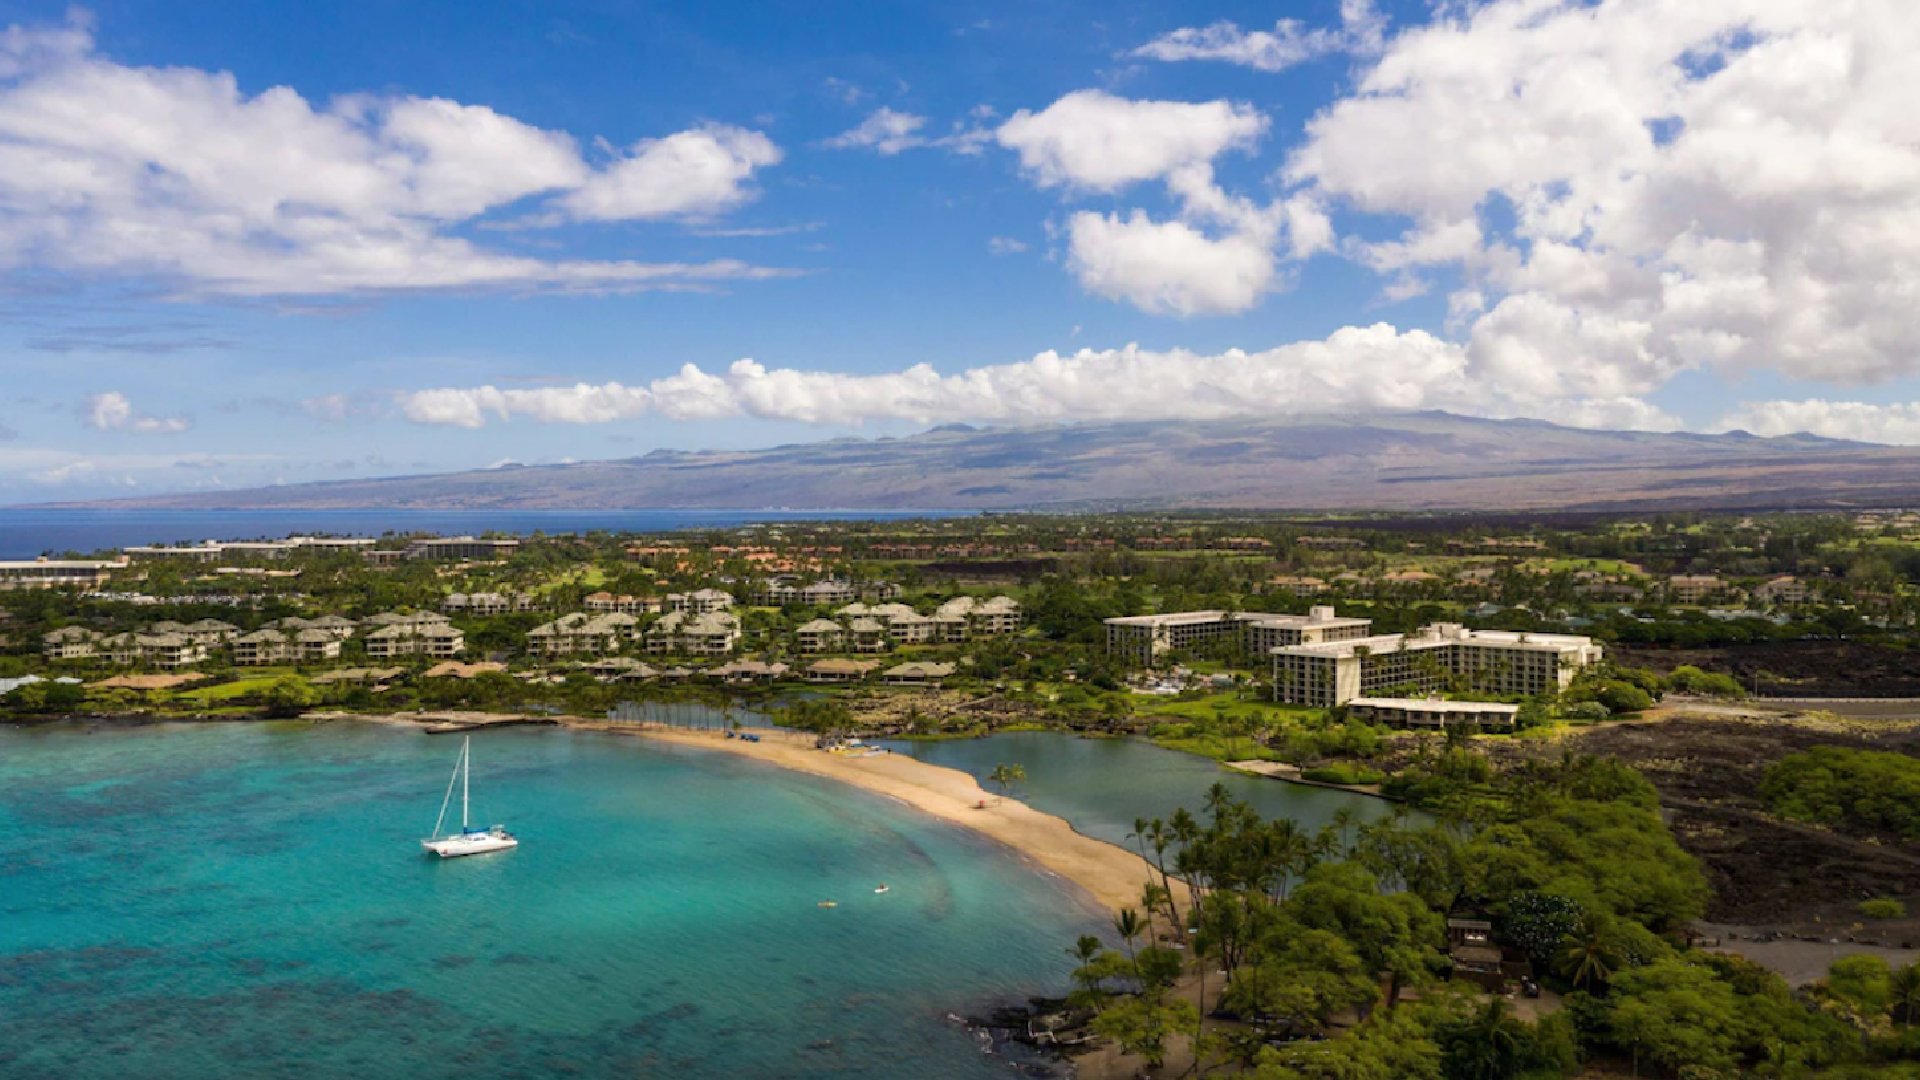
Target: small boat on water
829,903
882,889
471,839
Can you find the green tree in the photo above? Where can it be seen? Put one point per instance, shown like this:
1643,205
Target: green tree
1004,776
1395,934
1903,995
1488,1045
289,695
1142,1025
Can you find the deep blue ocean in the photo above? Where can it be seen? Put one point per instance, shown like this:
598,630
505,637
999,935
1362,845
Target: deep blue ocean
29,531
226,901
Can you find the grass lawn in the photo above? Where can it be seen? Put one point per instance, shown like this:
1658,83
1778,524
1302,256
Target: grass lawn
591,577
1209,706
239,688
1219,747
1604,566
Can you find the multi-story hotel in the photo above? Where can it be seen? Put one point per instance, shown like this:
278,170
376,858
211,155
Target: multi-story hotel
460,547
1140,640
54,573
1429,661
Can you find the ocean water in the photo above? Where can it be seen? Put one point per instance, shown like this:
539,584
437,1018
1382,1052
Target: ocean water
1101,786
251,901
26,532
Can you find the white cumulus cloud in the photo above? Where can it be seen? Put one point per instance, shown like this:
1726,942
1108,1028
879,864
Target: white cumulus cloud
885,131
1356,368
1289,43
1093,140
1627,189
179,175
1168,267
1897,423
693,173
112,411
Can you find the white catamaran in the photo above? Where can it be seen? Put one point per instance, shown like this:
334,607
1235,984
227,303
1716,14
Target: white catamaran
470,840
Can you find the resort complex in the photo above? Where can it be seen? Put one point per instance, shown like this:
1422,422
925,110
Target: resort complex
1325,660
1458,671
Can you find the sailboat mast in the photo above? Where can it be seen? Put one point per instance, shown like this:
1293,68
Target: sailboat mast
466,771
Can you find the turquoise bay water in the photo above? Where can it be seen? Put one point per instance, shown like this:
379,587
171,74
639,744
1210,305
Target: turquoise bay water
242,901
1102,785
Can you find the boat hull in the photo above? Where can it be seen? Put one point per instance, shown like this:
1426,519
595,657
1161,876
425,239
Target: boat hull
454,847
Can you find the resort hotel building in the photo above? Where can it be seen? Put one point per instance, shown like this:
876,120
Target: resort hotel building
1430,660
1325,660
1140,640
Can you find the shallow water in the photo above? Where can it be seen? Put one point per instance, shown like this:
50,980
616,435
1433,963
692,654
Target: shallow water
229,901
1101,786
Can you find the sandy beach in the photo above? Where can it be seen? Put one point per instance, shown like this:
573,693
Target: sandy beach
1112,876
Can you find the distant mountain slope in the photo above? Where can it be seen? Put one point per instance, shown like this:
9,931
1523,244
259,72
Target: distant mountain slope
1379,461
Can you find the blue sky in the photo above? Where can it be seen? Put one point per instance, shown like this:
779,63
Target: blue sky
247,244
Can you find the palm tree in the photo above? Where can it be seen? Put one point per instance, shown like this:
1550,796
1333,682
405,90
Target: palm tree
1906,995
1159,837
1005,776
1490,1042
1085,951
1586,961
1127,925
1343,821
1217,799
1139,835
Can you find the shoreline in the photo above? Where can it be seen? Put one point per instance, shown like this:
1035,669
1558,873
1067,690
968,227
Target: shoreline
1109,875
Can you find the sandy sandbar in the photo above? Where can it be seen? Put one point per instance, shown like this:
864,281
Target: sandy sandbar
1111,875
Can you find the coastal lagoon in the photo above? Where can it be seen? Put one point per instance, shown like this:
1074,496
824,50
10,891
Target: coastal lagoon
251,900
1101,786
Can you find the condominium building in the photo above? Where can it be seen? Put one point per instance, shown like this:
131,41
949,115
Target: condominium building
1785,590
868,635
281,646
1429,661
210,632
714,633
623,603
827,592
1141,640
583,633
69,643
340,629
819,636
493,603
262,647
1693,588
162,650
1296,584
700,601
440,641
984,618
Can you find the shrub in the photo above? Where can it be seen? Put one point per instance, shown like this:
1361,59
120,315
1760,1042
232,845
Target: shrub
1620,696
1882,907
1691,680
1344,774
1861,790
